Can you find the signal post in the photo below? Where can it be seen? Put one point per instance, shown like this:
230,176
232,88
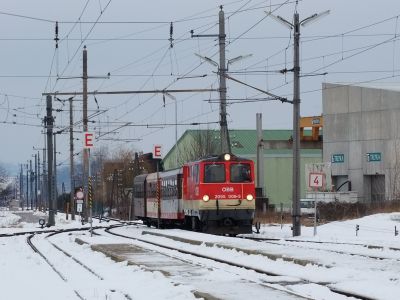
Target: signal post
88,139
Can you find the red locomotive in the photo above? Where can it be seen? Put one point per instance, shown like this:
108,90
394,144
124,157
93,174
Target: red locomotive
213,195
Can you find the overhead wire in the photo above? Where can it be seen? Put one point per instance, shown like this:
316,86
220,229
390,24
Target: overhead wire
155,75
187,73
85,37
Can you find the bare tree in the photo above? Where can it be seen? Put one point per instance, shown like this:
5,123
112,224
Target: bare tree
117,181
3,174
204,143
6,187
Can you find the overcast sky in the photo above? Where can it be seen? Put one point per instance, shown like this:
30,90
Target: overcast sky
357,42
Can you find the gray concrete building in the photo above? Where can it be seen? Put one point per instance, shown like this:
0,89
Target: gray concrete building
362,139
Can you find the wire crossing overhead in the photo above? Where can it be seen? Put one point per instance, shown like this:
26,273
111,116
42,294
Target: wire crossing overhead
170,91
222,69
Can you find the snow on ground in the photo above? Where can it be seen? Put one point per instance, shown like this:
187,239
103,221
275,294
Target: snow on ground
8,219
376,229
379,279
25,275
375,278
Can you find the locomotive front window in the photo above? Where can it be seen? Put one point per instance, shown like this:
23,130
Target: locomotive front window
240,173
214,173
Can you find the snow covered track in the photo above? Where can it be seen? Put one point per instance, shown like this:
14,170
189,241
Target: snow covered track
60,262
40,231
34,248
284,284
185,269
335,265
363,250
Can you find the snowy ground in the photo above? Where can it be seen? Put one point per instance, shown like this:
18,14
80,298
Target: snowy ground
25,275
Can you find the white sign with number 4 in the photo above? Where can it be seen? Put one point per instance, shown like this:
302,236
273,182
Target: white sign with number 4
316,180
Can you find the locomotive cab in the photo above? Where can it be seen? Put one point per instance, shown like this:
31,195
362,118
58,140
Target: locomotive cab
220,195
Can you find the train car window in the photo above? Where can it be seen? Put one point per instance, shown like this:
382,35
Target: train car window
179,186
240,173
196,173
214,173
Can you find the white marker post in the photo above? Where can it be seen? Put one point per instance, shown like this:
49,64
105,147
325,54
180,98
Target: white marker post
316,180
79,196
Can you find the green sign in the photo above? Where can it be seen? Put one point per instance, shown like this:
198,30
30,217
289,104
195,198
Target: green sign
374,156
337,158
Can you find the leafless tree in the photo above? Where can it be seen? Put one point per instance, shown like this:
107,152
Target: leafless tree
205,143
3,174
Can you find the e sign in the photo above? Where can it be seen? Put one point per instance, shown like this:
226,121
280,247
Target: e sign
88,138
157,151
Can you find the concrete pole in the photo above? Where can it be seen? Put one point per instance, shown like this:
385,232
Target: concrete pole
71,158
39,183
55,172
31,179
225,142
49,125
36,181
260,153
21,188
27,187
85,129
176,134
90,195
296,214
44,190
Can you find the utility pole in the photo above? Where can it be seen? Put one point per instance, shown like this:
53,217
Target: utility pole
85,129
225,142
31,180
45,184
112,191
27,188
21,188
39,185
260,152
55,172
296,213
49,126
71,158
260,190
224,133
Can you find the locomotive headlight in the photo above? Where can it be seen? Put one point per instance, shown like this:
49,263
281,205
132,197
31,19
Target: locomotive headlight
206,198
249,197
227,156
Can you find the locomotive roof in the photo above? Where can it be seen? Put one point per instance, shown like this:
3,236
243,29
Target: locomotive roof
219,158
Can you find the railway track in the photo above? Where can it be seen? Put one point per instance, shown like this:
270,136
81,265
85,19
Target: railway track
379,247
231,263
83,269
42,231
278,242
362,247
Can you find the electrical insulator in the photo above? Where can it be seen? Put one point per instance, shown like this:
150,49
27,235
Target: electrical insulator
171,32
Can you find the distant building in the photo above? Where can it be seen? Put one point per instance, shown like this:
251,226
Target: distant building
277,157
362,139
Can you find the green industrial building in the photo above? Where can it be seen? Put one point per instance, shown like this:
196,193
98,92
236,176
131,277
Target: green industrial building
277,157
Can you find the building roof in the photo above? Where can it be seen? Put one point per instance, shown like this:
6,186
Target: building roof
244,141
391,86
